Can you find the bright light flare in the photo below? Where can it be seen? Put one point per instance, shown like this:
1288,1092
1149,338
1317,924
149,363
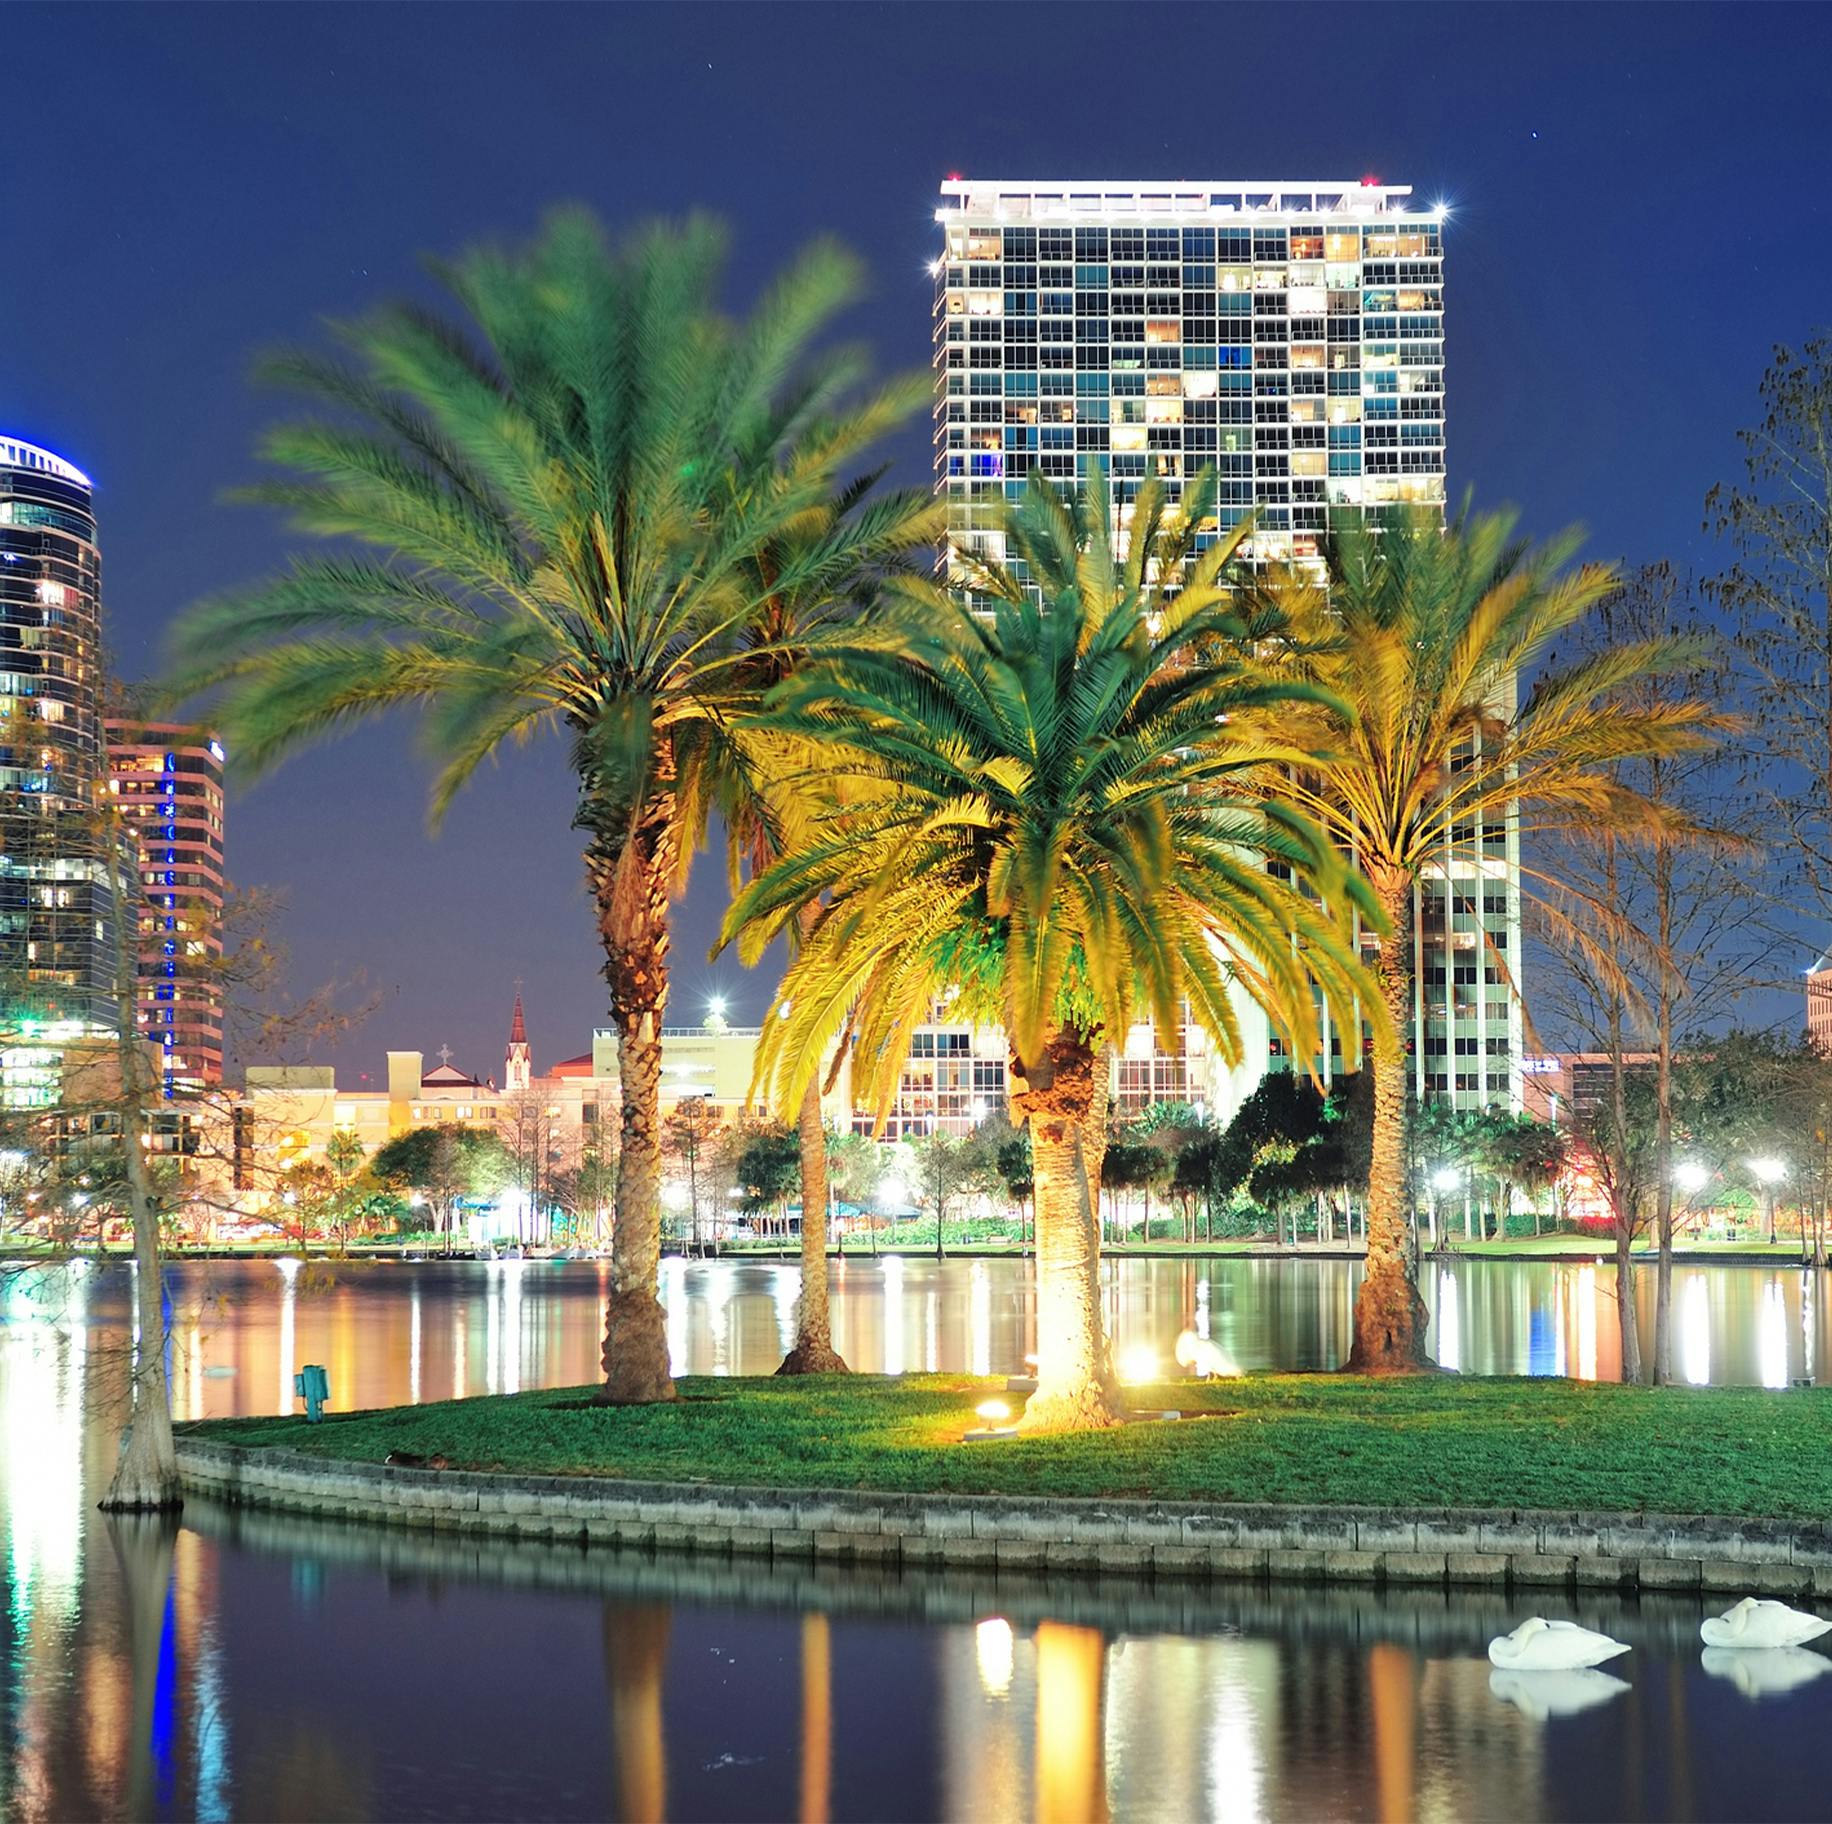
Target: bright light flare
1139,1364
994,1412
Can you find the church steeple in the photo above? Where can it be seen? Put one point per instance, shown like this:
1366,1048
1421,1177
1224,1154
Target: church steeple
518,1067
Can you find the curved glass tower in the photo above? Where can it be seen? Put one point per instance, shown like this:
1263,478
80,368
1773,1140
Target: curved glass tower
56,893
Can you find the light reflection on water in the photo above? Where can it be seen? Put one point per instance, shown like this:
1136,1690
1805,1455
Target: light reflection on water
390,1333
257,1666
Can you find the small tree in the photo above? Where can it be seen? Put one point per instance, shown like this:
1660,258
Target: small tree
768,1171
941,1167
445,1165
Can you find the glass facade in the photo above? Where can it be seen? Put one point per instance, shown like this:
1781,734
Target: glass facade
56,886
168,782
1289,335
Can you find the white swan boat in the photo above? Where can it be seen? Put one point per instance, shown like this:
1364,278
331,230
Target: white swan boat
1539,1645
1756,1623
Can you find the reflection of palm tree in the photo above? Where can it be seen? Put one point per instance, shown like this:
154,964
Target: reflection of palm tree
635,1656
1071,1775
1392,1702
817,1715
143,1545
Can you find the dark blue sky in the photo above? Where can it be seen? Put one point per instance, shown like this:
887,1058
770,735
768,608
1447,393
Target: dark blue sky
1640,211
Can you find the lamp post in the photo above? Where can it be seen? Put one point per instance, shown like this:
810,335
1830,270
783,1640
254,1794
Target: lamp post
893,1194
1769,1172
1445,1180
1691,1177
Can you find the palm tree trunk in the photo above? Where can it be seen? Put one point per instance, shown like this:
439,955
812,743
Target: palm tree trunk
1389,1314
1055,1096
631,884
813,1351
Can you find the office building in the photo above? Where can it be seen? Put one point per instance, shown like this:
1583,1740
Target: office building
1292,336
56,878
167,780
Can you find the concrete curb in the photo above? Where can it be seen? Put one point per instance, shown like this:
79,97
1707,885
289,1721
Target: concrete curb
1415,1547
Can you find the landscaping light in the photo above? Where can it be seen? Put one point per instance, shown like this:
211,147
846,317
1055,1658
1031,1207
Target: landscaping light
995,1418
1139,1364
1689,1175
1770,1171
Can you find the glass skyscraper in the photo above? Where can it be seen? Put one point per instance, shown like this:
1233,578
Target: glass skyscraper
167,779
57,886
1292,336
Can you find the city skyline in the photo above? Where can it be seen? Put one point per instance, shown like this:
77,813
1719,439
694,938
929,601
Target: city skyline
1588,386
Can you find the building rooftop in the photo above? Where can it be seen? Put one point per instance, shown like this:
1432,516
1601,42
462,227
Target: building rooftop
1066,198
16,453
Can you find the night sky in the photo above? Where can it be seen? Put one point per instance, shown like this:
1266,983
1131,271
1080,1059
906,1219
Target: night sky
1640,210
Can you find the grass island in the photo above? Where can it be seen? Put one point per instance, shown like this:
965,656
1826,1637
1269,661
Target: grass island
1434,1441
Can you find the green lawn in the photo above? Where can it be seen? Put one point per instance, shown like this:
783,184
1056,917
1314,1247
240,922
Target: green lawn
1590,1247
1436,1441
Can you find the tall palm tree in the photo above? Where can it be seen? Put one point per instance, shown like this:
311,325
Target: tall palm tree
761,782
1039,810
558,504
1418,639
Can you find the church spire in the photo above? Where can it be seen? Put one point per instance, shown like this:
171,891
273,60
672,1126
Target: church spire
518,1067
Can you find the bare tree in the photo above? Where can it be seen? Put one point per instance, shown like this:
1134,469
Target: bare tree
1668,928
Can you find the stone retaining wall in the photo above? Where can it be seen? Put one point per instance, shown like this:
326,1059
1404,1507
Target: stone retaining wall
1138,1538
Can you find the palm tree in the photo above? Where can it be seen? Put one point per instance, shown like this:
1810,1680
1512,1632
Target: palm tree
760,781
1038,812
559,505
1418,639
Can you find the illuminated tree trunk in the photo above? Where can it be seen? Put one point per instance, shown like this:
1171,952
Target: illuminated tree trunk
1389,1314
631,884
813,1351
1054,1094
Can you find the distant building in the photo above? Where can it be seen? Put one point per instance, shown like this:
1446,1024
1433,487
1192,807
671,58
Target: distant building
1562,1084
1819,1004
168,781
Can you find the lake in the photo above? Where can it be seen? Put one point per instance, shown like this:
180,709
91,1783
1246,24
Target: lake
245,1665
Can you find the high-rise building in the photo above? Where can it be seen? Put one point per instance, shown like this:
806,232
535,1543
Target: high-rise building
168,782
1289,334
56,881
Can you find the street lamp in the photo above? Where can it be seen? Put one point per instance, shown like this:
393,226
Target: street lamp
1691,1177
